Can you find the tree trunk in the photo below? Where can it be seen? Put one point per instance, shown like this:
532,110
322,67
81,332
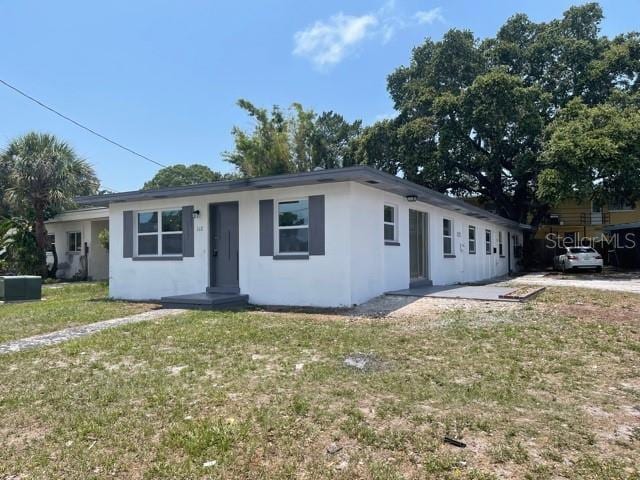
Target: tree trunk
41,241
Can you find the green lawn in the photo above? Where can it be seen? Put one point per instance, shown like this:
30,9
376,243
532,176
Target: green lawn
549,389
62,306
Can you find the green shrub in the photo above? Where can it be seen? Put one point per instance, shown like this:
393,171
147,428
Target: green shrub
19,253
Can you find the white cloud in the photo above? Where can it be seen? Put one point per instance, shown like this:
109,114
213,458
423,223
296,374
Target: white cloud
328,42
429,16
385,116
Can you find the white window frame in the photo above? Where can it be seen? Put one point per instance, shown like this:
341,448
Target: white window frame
394,224
500,244
473,242
291,227
451,236
488,243
79,247
160,234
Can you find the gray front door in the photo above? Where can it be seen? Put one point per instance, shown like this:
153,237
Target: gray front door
223,223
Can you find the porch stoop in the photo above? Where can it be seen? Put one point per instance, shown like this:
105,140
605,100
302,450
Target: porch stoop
206,301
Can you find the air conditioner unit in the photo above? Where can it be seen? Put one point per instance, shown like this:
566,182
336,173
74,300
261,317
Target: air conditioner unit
23,287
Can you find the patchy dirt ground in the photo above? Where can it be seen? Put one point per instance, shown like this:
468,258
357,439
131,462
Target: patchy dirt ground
546,389
427,308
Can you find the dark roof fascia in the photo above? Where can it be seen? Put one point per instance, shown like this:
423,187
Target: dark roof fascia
621,226
364,175
432,197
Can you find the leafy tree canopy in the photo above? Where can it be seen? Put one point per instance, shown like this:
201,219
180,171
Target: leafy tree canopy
180,175
594,150
496,118
292,140
18,247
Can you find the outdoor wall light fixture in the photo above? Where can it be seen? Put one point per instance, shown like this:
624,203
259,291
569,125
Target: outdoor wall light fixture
195,214
412,198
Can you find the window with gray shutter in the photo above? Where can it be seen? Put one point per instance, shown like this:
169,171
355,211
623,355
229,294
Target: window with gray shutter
299,231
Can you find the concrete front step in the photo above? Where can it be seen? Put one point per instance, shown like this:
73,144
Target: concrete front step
206,301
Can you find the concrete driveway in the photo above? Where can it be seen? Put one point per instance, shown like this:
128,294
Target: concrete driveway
615,281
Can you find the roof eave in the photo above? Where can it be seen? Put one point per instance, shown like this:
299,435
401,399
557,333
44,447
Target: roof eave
364,175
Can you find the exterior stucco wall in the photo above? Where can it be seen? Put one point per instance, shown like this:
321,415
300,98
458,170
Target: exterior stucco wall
317,281
357,264
71,265
372,277
465,266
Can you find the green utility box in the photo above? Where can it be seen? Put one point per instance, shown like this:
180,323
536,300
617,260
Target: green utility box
20,287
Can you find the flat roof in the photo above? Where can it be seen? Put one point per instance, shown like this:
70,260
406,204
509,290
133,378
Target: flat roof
362,174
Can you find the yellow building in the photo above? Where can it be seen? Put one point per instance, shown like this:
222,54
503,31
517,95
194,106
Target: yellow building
579,220
582,223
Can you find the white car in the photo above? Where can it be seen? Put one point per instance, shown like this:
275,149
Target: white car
574,258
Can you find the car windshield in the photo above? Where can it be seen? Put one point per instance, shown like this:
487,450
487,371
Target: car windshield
581,250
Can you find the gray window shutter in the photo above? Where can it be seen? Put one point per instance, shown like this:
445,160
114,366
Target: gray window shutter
266,228
127,234
187,231
316,225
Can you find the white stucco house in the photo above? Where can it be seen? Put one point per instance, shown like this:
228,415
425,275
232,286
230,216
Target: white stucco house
324,238
74,236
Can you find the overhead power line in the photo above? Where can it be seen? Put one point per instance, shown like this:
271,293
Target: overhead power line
35,100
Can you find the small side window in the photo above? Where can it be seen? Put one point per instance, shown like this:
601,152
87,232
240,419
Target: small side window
472,239
390,224
487,242
500,251
447,236
74,242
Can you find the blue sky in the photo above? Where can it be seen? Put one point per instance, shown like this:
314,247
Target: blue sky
162,77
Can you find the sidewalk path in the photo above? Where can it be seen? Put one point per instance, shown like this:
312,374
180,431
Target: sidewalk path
82,331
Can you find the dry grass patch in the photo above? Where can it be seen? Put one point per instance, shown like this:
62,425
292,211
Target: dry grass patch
534,393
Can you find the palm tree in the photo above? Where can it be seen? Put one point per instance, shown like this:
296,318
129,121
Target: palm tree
44,175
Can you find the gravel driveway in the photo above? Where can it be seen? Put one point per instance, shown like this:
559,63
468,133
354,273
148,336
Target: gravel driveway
427,308
616,281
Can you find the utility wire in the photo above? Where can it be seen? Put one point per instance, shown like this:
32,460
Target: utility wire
79,124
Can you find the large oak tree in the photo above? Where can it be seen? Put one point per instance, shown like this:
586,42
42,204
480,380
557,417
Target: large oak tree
484,118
